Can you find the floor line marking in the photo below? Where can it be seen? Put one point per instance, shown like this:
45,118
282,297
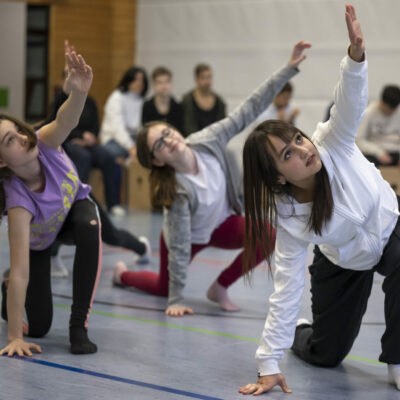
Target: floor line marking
162,310
116,378
198,330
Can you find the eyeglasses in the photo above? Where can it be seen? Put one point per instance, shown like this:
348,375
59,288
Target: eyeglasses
160,142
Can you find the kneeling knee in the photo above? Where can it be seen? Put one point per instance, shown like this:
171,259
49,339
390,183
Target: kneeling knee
38,331
331,360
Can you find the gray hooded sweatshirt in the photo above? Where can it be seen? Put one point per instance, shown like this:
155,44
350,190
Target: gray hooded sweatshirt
211,140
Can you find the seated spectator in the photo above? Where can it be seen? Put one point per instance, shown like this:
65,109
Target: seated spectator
82,147
201,106
123,112
281,108
162,106
378,136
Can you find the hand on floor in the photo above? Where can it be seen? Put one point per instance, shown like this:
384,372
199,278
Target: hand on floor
21,348
265,384
178,311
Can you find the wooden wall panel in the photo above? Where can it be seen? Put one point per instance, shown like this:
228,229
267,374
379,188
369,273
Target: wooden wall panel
103,31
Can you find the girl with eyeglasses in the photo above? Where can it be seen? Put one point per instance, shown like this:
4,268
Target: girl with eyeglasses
324,192
191,180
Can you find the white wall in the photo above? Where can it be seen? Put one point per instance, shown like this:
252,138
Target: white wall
12,50
246,40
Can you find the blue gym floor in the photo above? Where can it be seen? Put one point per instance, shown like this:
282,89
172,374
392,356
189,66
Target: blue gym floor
145,355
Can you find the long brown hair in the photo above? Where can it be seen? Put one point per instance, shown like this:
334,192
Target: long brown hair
5,172
163,183
261,187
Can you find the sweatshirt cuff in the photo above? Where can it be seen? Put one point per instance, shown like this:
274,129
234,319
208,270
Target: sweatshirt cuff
356,66
268,367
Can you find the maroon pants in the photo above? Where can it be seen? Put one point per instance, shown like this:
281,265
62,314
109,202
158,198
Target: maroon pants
229,235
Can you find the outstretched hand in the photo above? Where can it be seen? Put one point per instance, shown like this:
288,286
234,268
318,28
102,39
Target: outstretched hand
79,74
357,45
20,348
265,384
297,54
178,310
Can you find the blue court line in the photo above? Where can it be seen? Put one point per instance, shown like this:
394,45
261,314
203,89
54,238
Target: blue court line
116,378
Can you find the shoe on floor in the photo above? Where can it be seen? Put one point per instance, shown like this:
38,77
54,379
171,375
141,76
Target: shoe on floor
394,374
58,269
117,211
303,321
119,268
144,258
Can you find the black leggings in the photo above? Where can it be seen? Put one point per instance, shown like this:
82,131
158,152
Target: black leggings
339,301
111,235
81,228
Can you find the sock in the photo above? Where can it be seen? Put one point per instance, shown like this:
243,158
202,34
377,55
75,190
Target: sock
80,343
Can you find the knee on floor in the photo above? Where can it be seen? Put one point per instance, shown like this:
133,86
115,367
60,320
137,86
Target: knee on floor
38,330
331,359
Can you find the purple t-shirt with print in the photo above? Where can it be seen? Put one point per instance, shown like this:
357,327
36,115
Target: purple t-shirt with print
50,207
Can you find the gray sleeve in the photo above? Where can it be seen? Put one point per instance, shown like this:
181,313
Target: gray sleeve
248,111
177,234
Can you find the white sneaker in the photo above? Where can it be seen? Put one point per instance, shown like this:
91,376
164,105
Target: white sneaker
119,268
394,374
303,321
58,269
118,211
144,258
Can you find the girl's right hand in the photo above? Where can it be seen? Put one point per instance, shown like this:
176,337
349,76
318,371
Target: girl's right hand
20,348
178,310
265,384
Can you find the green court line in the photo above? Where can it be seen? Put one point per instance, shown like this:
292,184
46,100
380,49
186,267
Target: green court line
205,331
149,321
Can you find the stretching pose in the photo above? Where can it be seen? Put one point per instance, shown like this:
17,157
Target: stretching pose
323,191
191,180
45,200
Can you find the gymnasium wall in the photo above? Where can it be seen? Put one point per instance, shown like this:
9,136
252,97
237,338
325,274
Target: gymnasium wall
246,40
12,49
102,30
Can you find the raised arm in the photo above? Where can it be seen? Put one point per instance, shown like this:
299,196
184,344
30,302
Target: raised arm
77,84
351,92
255,104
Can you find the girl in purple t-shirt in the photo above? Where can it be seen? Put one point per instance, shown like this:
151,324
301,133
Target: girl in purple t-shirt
44,199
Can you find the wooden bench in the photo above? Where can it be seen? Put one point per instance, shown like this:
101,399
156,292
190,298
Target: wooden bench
135,187
392,175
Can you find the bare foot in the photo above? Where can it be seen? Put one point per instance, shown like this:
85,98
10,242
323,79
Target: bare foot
219,294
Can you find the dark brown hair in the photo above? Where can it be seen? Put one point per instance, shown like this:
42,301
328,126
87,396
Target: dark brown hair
200,68
163,184
160,71
129,76
261,187
5,172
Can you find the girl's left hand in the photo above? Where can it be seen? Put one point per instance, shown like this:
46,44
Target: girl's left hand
178,310
79,74
357,45
297,54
